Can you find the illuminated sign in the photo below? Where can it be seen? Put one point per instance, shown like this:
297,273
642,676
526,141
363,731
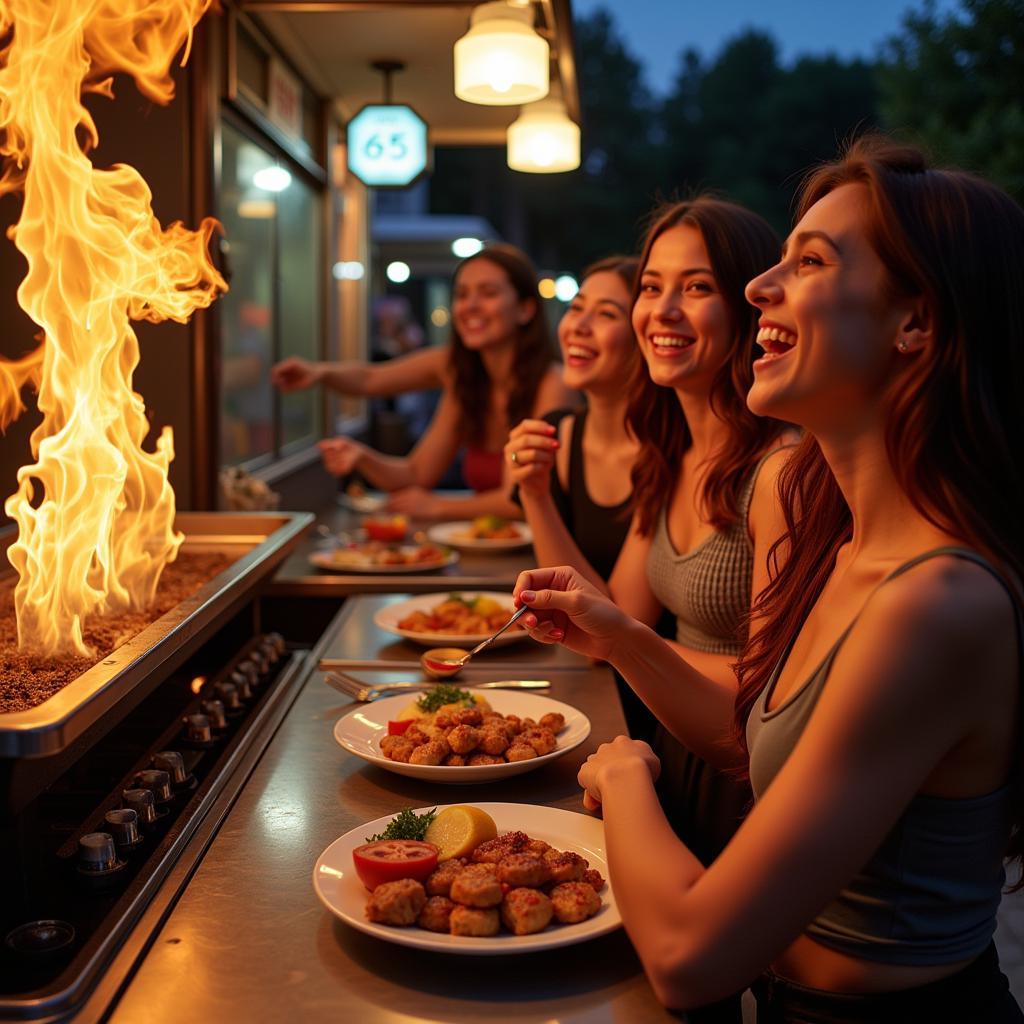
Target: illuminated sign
387,145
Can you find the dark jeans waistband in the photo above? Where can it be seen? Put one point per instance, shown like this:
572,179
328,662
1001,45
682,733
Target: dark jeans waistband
979,993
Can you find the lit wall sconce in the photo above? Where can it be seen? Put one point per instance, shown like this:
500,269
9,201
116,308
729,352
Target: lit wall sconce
501,61
542,140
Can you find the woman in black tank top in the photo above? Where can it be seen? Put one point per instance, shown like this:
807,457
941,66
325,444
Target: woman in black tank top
885,658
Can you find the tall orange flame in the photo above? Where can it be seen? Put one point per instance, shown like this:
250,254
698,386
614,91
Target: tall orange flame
94,511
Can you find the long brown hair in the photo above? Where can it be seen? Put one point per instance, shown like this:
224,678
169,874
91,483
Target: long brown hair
958,242
740,246
534,350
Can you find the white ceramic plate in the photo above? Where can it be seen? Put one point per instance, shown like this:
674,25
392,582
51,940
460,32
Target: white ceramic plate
457,535
341,892
352,559
390,615
360,732
368,502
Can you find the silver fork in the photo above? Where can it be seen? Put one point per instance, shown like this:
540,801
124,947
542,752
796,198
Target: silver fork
371,691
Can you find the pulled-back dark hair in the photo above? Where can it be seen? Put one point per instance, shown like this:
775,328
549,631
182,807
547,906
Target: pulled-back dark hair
534,350
958,242
740,246
626,267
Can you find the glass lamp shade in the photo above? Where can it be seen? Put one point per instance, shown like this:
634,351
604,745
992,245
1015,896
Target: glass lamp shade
542,140
501,61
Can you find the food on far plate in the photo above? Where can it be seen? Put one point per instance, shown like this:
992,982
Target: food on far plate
386,528
387,860
459,616
510,879
491,528
455,728
370,553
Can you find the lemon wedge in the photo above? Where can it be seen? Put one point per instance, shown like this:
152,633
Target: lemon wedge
457,831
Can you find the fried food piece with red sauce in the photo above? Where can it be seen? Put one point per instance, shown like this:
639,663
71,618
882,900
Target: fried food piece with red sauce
526,911
396,903
439,882
574,902
565,866
436,913
593,878
523,869
474,922
476,886
497,849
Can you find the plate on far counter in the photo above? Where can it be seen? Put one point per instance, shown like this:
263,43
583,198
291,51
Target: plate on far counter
390,616
379,558
361,730
463,534
341,892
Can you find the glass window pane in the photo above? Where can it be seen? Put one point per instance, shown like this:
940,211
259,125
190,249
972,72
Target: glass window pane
247,311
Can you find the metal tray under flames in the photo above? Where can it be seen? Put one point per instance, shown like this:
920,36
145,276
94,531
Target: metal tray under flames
259,541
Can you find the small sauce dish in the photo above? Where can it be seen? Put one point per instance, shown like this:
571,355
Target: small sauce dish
436,662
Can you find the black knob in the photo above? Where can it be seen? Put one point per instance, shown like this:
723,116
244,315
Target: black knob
156,780
97,854
248,669
269,651
173,763
198,731
214,711
142,802
123,825
227,694
242,684
277,641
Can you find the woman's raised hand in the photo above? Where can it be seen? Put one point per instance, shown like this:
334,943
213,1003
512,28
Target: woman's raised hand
566,608
295,374
530,455
341,455
621,753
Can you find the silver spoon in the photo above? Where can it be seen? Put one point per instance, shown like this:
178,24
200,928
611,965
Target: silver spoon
456,663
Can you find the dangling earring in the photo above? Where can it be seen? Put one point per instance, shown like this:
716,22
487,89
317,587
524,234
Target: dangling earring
903,345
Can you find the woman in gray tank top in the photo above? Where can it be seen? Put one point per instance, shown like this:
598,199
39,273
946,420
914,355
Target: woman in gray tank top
879,712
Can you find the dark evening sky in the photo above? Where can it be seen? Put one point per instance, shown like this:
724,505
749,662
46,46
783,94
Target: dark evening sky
657,31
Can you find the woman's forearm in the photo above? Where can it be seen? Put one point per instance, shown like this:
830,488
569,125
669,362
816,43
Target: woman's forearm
552,542
387,472
495,503
348,378
695,708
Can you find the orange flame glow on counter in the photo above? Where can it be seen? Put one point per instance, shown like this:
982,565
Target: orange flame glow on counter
95,510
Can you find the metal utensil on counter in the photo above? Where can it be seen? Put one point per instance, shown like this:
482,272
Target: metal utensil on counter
361,691
452,665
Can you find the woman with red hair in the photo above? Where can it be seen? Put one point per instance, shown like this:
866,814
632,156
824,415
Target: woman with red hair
879,711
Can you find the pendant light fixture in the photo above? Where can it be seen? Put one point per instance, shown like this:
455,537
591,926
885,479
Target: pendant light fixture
542,140
501,60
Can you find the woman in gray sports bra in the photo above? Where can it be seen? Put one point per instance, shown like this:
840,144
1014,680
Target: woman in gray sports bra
879,713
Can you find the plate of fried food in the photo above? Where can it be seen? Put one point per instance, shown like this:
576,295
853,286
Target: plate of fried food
441,620
485,533
490,879
375,556
459,736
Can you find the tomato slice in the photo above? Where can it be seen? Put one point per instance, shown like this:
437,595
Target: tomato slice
387,860
399,727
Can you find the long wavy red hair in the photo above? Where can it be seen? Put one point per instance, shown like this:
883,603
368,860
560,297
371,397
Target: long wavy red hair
958,241
740,246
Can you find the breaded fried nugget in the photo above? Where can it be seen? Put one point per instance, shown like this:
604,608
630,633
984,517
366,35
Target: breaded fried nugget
500,847
439,882
537,846
468,716
478,759
515,723
541,739
400,750
565,867
526,911
433,752
476,886
574,902
463,738
553,720
526,869
396,903
418,733
435,914
492,741
474,922
593,878
455,761
520,752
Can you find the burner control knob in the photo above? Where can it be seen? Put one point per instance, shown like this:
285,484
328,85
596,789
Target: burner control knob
269,650
228,695
159,782
277,642
123,825
247,669
242,684
214,711
97,854
141,801
198,731
171,762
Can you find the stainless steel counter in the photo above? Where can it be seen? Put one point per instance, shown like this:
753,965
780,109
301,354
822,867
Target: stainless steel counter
475,570
248,941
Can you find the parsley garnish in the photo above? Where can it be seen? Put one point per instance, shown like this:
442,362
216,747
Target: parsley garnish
407,824
441,695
